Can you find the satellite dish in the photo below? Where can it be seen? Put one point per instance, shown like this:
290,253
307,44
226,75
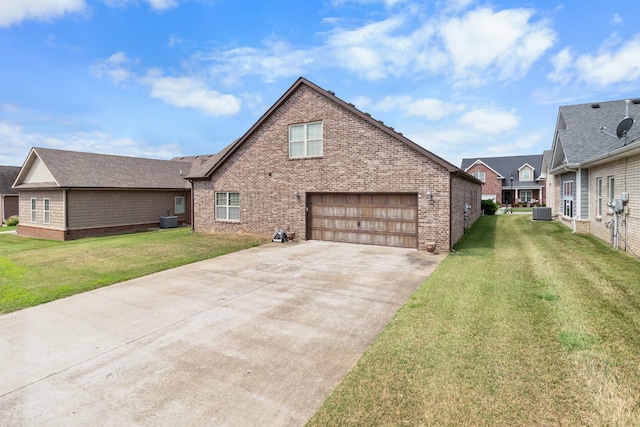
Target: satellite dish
623,127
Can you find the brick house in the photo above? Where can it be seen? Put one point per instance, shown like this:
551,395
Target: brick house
67,195
319,168
592,167
510,180
8,195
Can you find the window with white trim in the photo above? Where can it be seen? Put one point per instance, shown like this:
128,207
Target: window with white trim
599,197
179,205
228,206
526,195
612,194
46,204
567,198
305,140
480,175
525,175
34,209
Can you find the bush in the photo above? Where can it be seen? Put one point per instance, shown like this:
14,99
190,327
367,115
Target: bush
489,207
12,220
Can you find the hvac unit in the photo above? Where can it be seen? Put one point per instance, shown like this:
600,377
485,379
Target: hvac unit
542,214
168,221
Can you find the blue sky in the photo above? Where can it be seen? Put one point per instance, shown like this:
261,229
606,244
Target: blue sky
166,78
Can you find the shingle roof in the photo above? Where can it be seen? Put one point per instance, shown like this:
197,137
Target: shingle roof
509,165
578,131
73,169
207,170
8,175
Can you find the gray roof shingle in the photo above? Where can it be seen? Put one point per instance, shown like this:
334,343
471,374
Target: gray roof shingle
579,134
8,175
509,165
74,169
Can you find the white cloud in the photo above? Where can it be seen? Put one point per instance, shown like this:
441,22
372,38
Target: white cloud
16,144
616,19
163,4
505,43
562,64
190,92
490,121
16,11
115,68
429,108
611,66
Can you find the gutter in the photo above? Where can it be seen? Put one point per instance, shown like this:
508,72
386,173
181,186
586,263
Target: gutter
624,151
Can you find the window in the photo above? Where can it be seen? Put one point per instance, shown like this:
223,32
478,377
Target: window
567,198
34,209
525,175
228,206
47,211
179,206
611,189
305,140
526,195
599,197
480,175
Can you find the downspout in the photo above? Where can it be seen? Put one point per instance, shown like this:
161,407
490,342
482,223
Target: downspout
192,202
65,203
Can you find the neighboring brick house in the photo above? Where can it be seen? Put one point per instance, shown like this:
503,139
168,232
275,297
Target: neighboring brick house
510,180
592,167
8,195
67,195
320,168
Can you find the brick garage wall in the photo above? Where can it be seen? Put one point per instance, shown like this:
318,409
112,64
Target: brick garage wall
357,157
463,192
40,232
492,184
626,173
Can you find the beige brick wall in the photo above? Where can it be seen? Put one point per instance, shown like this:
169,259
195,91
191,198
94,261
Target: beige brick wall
56,205
357,157
626,173
463,192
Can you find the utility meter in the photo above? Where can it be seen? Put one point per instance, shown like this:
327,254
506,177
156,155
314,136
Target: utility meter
617,206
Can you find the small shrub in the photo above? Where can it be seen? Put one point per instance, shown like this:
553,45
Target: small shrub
12,220
489,207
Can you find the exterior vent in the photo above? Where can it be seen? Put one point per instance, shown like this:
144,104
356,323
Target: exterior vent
595,105
542,214
636,101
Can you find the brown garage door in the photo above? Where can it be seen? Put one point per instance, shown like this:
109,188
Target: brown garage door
373,219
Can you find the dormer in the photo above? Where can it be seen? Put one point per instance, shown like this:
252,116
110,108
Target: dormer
526,173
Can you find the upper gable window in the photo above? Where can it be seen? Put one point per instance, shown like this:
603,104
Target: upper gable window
305,140
480,175
526,175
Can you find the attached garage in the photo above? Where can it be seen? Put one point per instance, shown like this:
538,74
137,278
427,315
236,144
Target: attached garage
374,219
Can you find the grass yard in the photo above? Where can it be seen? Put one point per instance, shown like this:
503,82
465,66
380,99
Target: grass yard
526,324
35,271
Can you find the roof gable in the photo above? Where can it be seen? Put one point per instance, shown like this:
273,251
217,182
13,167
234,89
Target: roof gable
580,131
480,162
216,163
526,165
46,167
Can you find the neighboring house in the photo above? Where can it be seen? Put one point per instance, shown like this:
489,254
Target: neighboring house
318,167
510,180
8,195
68,195
592,167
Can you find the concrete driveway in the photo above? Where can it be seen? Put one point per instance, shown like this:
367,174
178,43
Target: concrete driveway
258,337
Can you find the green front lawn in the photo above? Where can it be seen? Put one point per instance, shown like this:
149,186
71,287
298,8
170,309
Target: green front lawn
35,271
526,324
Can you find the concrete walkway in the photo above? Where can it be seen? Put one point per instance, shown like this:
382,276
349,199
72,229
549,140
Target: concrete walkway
258,337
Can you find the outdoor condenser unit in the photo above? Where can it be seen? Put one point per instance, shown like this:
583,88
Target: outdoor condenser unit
168,221
542,214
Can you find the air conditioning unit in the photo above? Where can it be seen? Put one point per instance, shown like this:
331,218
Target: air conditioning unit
542,214
168,221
